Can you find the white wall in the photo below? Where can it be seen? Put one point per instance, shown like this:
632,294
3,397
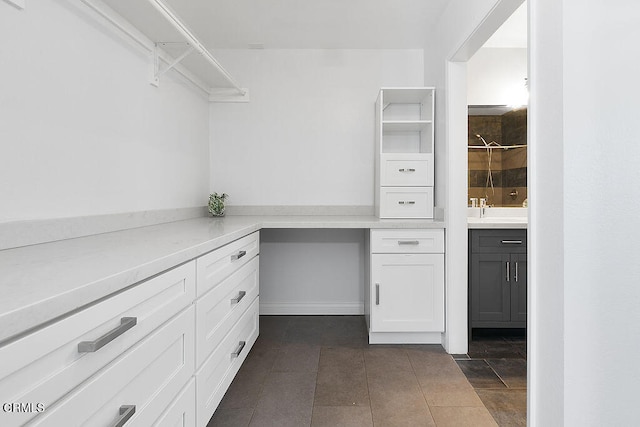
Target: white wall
588,296
81,130
306,137
463,28
546,346
496,76
312,271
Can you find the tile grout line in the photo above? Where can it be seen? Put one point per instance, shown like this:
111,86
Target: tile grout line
426,401
366,377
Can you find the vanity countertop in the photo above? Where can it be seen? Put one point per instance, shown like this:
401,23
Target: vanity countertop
497,222
498,218
42,282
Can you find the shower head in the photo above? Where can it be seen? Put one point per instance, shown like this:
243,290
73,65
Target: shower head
481,139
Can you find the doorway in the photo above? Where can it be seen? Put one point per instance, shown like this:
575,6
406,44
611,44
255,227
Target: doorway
457,128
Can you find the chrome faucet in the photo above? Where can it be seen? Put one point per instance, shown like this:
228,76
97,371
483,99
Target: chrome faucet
483,206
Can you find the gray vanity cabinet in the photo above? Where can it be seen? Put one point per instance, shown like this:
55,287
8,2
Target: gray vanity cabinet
498,278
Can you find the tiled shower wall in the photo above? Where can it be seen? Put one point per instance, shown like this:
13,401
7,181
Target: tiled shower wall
508,167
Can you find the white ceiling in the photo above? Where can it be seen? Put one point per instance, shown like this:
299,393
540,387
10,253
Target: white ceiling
311,24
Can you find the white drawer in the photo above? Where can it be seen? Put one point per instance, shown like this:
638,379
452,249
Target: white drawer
149,376
407,241
402,170
220,263
46,364
220,308
217,372
182,411
406,202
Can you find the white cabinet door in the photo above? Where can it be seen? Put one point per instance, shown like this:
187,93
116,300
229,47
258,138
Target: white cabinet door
407,292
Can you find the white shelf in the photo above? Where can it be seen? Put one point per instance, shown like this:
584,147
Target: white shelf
407,95
405,125
157,28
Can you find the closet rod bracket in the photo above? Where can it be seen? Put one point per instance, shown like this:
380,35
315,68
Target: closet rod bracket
159,71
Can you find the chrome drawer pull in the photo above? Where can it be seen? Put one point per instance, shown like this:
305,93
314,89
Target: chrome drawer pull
239,255
377,293
408,242
516,272
237,299
508,272
406,170
511,242
126,412
241,345
407,202
126,323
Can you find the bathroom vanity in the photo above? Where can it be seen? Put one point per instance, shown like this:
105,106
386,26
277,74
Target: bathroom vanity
498,278
497,267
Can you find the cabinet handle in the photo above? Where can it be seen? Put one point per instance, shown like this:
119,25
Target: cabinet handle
126,412
406,170
377,293
511,242
126,323
239,255
508,272
407,202
408,242
237,299
516,276
238,350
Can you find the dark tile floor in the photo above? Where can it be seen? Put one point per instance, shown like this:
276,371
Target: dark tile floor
496,367
321,371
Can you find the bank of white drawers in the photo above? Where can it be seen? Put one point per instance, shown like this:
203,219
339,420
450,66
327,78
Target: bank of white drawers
45,365
217,372
149,376
193,327
221,308
226,319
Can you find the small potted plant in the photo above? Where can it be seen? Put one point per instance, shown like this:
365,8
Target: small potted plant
216,203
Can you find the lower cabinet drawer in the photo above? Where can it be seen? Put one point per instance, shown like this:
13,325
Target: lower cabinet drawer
407,241
221,307
182,411
48,363
219,264
217,372
406,202
401,170
498,241
141,383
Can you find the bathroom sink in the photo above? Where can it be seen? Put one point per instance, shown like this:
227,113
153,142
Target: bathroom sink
499,217
514,220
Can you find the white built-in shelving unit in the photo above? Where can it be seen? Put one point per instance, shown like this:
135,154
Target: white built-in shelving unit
404,152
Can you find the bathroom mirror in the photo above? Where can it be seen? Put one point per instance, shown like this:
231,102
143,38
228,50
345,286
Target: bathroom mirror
497,150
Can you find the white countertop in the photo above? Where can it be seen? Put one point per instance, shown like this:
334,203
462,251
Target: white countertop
40,283
497,223
498,218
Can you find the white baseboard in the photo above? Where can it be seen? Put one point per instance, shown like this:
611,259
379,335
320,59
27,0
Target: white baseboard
315,308
405,338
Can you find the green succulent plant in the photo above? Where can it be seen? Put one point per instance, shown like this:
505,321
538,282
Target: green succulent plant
216,203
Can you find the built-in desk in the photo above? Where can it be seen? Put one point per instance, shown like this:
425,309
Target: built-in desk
40,283
153,323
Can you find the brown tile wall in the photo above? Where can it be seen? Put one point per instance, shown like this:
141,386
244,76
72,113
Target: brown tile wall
508,167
